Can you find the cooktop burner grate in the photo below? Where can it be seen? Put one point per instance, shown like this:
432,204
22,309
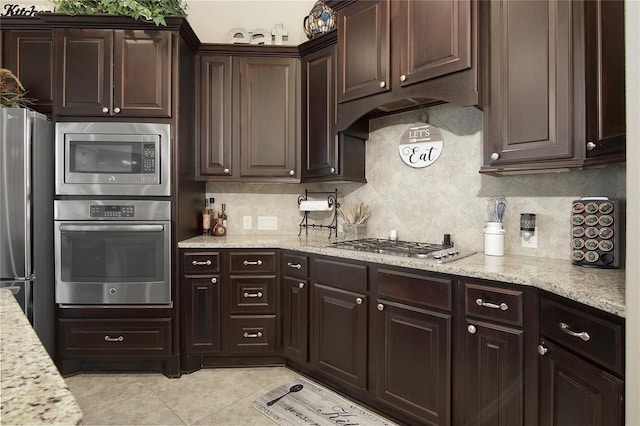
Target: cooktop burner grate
438,252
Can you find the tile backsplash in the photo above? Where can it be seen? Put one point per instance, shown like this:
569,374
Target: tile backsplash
422,204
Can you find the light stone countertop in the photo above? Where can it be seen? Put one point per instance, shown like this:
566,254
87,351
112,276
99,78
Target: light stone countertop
600,288
33,391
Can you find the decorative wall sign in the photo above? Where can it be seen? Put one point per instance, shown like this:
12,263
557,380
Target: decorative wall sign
421,145
24,10
258,36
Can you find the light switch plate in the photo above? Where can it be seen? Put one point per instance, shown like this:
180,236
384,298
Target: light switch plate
268,223
246,222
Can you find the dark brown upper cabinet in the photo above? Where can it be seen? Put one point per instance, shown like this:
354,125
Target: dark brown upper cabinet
396,55
123,73
249,114
29,55
553,85
327,155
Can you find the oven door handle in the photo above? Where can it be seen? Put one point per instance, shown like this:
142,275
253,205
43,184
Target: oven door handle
111,228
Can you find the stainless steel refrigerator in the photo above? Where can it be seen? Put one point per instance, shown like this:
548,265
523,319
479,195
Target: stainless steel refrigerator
26,216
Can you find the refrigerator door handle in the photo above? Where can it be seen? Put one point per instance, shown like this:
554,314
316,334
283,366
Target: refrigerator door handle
31,277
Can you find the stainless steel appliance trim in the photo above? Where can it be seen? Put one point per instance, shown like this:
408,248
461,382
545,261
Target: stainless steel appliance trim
79,209
112,228
101,186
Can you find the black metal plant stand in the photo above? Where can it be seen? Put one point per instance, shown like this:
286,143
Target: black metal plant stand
332,200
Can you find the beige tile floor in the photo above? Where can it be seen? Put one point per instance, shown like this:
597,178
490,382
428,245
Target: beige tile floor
222,396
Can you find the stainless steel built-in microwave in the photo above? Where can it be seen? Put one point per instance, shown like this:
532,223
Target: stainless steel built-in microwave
130,159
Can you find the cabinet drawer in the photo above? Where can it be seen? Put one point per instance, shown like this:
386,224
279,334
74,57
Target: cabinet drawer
339,274
252,333
295,266
200,262
493,303
109,337
593,337
415,289
253,294
252,262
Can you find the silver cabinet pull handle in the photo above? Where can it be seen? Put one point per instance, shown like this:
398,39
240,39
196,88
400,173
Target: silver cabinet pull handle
542,350
383,84
113,339
403,78
591,146
503,306
214,280
116,110
252,262
253,335
581,335
301,285
495,156
471,329
294,265
247,294
201,263
380,307
105,110
359,300
226,171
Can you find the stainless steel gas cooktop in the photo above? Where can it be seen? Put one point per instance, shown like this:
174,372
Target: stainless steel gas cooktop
439,253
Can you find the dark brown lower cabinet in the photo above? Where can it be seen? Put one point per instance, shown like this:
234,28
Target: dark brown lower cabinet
413,369
574,392
494,375
295,319
201,316
340,335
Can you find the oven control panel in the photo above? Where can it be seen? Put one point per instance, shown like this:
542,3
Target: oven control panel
111,211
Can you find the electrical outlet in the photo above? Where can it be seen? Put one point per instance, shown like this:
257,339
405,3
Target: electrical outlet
246,222
268,223
533,241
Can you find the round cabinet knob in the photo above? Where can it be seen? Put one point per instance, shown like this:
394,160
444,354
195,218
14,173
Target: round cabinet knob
542,350
495,156
471,329
383,84
380,307
116,110
590,146
214,280
226,171
403,78
292,172
333,170
359,300
105,110
301,285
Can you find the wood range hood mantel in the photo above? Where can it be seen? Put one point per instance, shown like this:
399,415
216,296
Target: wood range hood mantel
399,56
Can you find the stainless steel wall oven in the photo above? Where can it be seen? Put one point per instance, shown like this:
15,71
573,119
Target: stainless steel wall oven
112,252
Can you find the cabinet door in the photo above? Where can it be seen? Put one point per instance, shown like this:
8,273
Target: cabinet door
84,70
447,27
215,157
29,55
493,380
319,98
295,319
201,314
340,335
413,349
574,392
142,77
363,50
268,91
605,76
529,88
